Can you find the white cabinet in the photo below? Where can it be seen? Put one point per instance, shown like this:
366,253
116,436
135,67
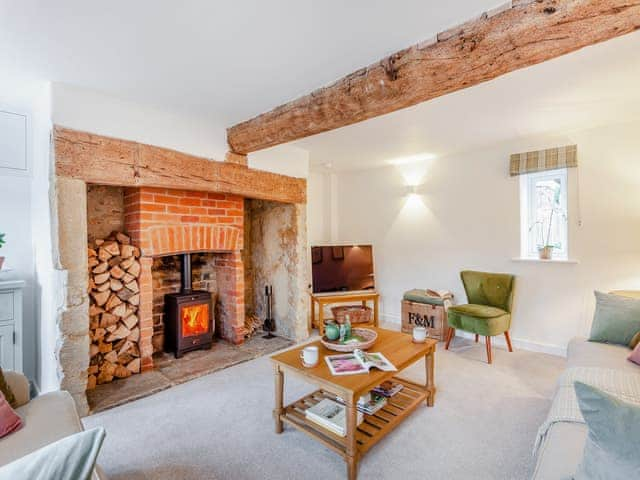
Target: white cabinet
11,325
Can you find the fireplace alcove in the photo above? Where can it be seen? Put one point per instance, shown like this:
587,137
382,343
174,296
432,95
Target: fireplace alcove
94,175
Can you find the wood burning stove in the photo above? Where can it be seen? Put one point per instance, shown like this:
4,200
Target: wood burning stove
188,316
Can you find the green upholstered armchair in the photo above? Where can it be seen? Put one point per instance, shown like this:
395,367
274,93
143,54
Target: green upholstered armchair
488,312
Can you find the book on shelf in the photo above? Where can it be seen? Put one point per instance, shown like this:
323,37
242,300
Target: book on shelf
358,362
331,415
388,389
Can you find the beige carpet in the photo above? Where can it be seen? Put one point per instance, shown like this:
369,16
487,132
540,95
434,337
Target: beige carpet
220,427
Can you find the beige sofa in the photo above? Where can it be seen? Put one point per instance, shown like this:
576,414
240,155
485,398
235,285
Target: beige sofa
561,451
47,418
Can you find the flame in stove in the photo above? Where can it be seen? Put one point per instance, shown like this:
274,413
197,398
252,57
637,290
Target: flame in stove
195,320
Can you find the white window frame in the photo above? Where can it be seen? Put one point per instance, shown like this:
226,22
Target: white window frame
528,245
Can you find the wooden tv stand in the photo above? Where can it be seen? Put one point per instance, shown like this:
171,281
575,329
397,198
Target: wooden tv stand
323,299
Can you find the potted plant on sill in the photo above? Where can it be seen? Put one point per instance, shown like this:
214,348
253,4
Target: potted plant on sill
1,244
545,249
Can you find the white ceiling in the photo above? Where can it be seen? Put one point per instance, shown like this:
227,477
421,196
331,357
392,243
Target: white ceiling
222,60
595,86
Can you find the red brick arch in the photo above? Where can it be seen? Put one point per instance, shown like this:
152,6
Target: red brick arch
173,239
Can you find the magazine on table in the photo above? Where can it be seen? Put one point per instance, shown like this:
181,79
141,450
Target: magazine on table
331,415
388,389
369,403
358,362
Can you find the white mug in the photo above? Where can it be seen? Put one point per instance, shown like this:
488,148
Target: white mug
419,334
309,356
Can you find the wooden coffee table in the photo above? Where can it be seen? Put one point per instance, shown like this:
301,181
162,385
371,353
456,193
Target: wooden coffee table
400,350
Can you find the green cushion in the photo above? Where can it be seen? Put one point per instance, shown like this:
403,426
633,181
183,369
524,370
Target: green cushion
612,449
481,311
616,319
71,458
487,327
492,289
420,296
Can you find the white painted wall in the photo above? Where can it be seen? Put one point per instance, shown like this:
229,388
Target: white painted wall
284,159
466,216
24,212
95,112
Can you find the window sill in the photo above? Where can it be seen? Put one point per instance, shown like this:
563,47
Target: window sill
538,260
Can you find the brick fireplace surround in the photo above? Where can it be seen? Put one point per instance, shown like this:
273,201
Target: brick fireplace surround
168,222
176,203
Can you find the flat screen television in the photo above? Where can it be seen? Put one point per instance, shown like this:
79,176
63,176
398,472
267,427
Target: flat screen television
342,268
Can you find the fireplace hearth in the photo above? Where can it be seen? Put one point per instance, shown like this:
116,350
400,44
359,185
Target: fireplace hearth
188,316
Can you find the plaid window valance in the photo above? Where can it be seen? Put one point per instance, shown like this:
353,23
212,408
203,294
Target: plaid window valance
541,160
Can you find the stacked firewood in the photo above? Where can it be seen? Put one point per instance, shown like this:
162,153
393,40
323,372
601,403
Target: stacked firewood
114,292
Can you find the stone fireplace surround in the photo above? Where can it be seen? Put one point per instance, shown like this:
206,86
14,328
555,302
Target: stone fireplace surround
154,179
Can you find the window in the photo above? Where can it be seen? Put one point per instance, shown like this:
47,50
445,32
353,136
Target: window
543,200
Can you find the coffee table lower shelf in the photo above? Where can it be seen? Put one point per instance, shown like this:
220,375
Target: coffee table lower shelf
370,431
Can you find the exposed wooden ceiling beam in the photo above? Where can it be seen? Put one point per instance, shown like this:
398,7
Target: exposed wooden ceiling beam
110,161
520,34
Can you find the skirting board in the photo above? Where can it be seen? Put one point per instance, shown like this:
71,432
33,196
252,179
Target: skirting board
518,343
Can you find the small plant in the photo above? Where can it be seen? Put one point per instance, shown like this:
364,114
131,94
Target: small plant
2,241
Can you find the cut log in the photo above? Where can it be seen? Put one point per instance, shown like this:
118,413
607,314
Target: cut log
127,262
125,358
91,382
101,268
95,310
126,347
98,242
113,261
136,252
107,319
126,251
122,238
112,302
130,321
93,369
111,328
118,333
105,347
122,372
102,288
134,269
91,252
112,247
101,297
134,365
120,310
134,336
93,350
101,278
103,254
125,294
94,322
93,261
99,333
133,286
117,272
112,356
135,300
127,278
116,285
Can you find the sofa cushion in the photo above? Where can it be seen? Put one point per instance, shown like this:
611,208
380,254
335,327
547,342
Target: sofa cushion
561,452
6,391
582,353
10,421
47,418
71,458
616,319
612,449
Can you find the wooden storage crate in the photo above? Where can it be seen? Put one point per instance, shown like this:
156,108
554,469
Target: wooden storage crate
433,317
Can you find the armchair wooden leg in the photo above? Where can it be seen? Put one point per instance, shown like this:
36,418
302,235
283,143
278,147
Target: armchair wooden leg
477,337
508,339
488,342
450,334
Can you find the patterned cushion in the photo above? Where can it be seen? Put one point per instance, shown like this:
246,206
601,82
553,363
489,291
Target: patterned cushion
6,391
